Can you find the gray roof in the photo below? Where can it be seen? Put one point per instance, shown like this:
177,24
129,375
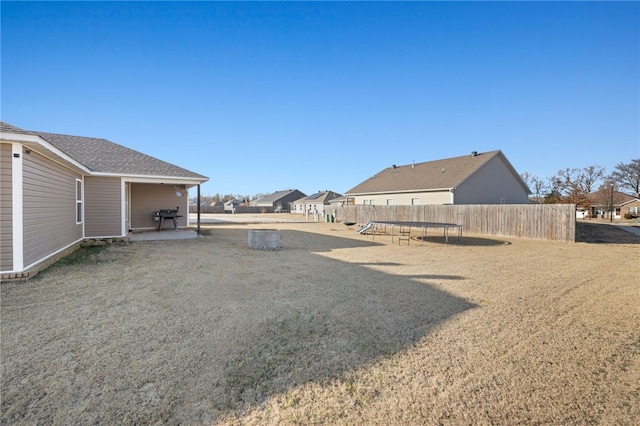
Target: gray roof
103,156
276,196
319,197
6,127
439,174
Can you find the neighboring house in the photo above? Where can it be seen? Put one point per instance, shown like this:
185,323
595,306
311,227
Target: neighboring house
320,201
58,190
337,202
631,206
603,200
280,201
479,178
231,205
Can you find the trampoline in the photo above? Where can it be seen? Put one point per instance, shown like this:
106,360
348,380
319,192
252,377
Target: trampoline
404,228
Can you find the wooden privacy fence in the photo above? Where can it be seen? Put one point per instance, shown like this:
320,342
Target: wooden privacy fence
538,221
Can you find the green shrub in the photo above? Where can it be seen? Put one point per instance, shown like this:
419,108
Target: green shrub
628,216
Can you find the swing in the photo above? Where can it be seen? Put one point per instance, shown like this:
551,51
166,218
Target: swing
346,219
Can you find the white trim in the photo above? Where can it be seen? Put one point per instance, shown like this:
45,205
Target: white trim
34,139
153,178
124,207
50,255
628,202
17,207
40,141
81,201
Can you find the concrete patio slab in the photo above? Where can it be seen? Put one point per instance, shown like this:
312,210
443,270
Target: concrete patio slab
180,234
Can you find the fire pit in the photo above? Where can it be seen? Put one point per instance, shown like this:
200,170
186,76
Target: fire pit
161,215
265,239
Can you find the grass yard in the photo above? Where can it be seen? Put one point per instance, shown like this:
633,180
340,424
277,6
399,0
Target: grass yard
333,329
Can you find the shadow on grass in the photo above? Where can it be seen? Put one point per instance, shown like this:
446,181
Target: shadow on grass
464,241
602,233
379,263
436,277
214,329
325,327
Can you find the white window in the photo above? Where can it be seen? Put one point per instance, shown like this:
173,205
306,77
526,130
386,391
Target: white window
78,201
415,201
389,201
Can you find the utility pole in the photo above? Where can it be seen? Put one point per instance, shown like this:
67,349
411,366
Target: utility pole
611,205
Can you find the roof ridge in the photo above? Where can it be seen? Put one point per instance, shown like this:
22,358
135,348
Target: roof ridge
473,154
434,174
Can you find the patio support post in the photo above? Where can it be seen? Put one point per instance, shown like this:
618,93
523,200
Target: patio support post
198,220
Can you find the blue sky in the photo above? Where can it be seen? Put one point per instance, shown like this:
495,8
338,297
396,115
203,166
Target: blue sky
268,96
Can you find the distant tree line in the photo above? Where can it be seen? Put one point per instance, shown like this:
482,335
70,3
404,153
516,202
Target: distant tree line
574,186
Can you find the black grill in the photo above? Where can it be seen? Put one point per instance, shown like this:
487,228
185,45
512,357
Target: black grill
161,215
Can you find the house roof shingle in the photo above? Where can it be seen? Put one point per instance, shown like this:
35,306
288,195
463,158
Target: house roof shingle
276,196
603,196
103,156
439,174
319,197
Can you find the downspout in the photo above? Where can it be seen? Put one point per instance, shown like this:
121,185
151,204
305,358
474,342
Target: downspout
198,211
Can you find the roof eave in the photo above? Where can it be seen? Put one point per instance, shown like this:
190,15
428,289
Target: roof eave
155,178
404,191
36,143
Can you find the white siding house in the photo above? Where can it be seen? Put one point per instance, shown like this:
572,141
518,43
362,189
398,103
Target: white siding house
59,190
320,201
479,178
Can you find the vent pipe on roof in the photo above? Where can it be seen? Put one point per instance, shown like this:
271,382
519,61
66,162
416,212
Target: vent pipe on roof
394,166
474,153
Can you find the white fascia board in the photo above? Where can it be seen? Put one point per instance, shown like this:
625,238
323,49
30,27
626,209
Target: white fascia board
33,140
153,178
627,202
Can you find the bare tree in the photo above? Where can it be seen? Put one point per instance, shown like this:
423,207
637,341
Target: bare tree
538,187
527,178
627,176
607,197
553,195
575,185
535,184
589,176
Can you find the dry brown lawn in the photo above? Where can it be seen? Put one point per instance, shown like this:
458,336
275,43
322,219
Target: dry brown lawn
333,329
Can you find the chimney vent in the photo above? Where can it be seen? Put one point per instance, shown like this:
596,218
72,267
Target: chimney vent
394,166
474,153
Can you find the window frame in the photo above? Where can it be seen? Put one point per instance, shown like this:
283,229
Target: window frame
79,201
